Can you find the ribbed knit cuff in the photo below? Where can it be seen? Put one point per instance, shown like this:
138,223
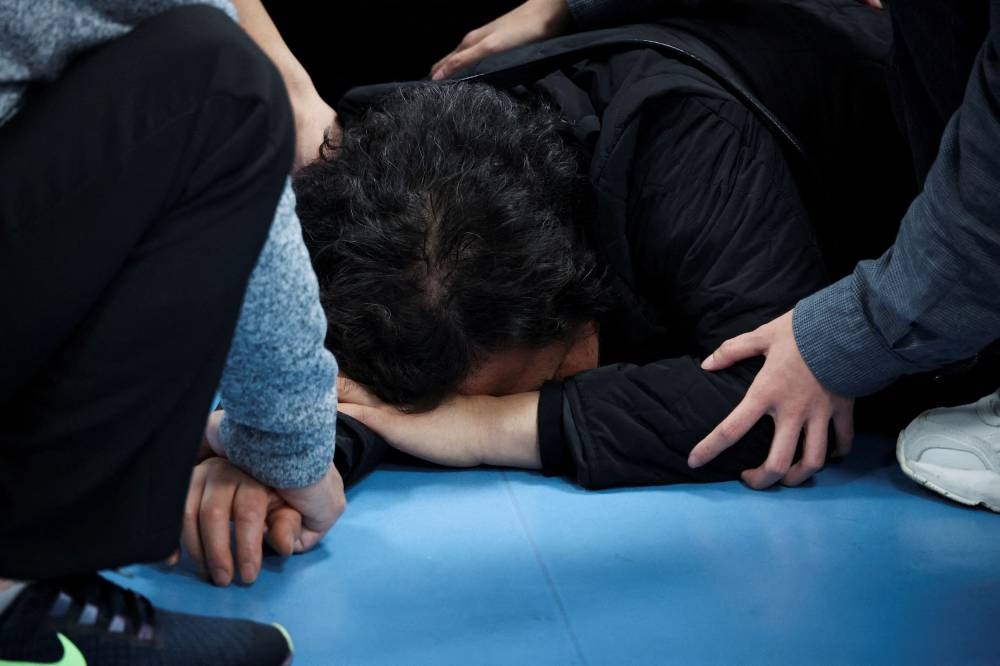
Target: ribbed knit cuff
839,344
280,460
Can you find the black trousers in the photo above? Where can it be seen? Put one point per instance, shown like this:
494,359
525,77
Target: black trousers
137,191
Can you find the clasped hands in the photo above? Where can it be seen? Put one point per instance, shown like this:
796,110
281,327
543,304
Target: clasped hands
464,431
291,520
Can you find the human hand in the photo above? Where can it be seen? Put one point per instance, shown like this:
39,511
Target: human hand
293,520
463,431
211,444
313,116
532,21
315,122
219,493
786,390
319,505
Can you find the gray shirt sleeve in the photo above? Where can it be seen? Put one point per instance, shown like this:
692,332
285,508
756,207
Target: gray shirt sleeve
279,384
934,297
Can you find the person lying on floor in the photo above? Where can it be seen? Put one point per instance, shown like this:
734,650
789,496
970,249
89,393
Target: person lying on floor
533,264
537,305
466,279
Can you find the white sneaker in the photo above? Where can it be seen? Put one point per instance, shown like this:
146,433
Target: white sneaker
956,451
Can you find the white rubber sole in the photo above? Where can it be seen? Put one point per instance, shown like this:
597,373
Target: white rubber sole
969,487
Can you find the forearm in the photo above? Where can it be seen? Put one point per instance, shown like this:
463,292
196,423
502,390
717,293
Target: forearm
463,431
513,441
279,385
258,24
725,244
629,425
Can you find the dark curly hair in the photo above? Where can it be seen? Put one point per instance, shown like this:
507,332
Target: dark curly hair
448,224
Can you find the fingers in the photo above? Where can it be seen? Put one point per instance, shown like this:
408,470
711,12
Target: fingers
308,540
458,58
320,504
221,494
359,412
250,506
779,460
381,420
785,388
351,392
529,22
388,423
311,534
213,522
843,426
727,433
736,349
174,558
284,527
447,66
190,533
813,453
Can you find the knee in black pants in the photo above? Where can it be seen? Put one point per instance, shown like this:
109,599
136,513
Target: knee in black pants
202,54
138,190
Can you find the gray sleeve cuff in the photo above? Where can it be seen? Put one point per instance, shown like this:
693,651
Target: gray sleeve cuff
838,343
281,459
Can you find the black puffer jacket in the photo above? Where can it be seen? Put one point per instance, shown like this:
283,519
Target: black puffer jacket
724,142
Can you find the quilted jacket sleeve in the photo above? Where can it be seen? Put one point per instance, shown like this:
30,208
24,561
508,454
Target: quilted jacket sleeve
721,242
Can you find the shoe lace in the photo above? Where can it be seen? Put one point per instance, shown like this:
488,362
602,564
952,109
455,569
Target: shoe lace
99,602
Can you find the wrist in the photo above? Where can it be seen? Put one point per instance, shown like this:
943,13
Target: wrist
553,16
297,81
512,439
304,97
299,491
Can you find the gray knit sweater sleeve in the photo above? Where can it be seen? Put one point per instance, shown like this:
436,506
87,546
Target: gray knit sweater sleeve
279,385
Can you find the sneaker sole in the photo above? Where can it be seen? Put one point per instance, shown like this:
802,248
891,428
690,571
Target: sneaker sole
288,640
920,477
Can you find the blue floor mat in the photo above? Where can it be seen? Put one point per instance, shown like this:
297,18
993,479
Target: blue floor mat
505,567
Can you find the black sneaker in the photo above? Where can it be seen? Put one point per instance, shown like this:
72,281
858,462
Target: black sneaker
90,621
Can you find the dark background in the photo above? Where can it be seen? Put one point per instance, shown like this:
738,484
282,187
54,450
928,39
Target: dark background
345,44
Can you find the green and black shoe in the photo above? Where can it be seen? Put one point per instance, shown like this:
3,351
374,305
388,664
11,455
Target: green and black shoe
90,621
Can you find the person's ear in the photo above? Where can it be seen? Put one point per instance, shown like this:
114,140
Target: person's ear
582,353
